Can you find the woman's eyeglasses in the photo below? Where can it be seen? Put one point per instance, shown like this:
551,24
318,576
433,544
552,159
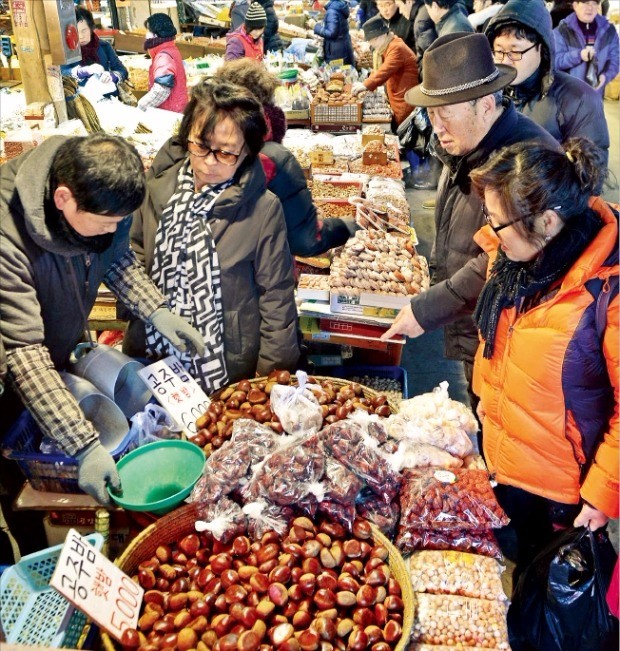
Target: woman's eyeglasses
499,55
497,229
221,155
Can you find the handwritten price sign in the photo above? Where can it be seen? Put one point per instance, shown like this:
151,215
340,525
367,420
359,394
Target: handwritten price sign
97,587
176,391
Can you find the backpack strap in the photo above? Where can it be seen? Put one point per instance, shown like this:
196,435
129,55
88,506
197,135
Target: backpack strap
609,291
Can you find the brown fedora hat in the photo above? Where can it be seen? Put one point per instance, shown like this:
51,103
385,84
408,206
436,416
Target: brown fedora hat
459,67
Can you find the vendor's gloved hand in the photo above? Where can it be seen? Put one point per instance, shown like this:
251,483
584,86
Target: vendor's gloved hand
178,331
311,23
357,88
96,470
141,105
95,69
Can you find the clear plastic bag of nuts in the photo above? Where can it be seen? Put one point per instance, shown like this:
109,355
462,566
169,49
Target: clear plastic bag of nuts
458,573
296,407
289,473
476,541
445,499
442,647
460,621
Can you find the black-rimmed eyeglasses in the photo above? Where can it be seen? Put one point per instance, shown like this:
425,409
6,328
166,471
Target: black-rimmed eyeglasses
499,55
221,155
497,229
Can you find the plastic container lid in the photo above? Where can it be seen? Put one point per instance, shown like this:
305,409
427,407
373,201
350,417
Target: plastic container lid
158,476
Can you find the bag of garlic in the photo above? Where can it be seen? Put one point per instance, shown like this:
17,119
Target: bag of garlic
435,419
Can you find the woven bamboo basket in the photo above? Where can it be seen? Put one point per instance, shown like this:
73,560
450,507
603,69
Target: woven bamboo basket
180,522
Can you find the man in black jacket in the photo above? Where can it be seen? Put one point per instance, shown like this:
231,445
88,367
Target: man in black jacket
470,121
521,36
396,22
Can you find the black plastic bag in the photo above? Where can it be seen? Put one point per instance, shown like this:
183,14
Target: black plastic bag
592,72
414,133
559,601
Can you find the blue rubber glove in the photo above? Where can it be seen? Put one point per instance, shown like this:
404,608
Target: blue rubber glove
178,331
97,469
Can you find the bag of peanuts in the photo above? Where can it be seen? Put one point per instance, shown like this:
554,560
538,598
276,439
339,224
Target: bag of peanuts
436,419
476,541
442,647
296,407
459,573
422,455
460,621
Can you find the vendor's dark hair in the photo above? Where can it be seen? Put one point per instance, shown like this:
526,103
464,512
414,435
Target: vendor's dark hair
104,173
213,100
86,16
442,4
530,178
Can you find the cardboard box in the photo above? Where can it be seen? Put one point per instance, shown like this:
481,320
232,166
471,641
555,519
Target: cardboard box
306,293
368,304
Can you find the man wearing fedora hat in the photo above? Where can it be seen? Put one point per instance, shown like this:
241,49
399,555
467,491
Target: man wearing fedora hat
462,90
398,69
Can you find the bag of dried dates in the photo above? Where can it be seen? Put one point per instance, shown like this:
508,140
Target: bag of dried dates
448,499
296,407
476,541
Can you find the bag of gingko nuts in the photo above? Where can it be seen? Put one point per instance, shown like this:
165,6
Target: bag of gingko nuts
435,419
372,508
445,499
263,516
297,408
288,474
223,519
349,443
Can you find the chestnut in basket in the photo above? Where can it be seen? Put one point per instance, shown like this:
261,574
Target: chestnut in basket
299,604
250,399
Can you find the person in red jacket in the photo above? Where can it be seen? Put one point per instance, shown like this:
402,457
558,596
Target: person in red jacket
398,71
247,41
167,81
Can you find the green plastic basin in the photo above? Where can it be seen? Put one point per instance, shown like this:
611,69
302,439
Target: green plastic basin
158,476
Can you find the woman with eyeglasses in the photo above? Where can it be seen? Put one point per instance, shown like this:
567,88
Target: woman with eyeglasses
214,241
546,371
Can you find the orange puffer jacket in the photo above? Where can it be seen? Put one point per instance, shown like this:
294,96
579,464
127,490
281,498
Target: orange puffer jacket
549,407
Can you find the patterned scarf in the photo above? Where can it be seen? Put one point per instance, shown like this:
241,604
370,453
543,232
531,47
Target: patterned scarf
519,283
186,269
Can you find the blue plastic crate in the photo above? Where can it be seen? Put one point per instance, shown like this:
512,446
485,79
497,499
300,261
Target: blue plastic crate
345,372
31,611
56,473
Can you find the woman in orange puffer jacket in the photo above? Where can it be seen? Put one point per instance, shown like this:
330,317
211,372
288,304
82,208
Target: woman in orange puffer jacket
546,377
